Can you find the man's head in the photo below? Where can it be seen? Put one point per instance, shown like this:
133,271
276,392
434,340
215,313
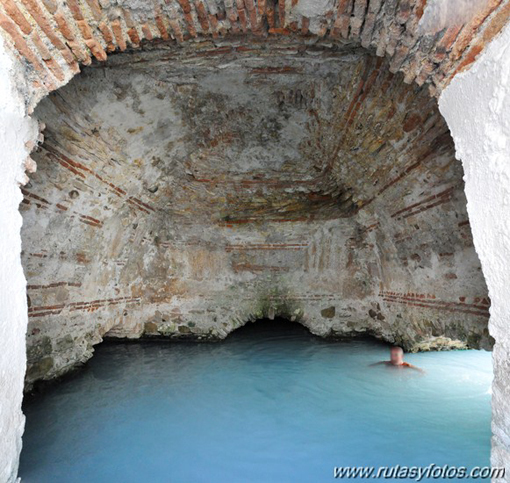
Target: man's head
396,355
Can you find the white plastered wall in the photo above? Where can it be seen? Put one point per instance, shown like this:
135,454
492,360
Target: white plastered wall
476,107
17,135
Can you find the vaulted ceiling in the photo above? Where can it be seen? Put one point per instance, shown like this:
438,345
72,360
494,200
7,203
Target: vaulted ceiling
233,134
215,162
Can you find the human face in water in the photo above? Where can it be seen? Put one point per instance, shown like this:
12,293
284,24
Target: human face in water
396,356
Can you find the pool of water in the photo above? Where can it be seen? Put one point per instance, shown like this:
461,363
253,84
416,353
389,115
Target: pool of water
272,403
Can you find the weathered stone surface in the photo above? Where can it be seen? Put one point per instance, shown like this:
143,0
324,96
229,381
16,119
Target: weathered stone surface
328,313
17,138
182,193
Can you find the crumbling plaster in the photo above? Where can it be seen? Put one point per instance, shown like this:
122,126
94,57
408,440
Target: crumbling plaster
476,107
184,192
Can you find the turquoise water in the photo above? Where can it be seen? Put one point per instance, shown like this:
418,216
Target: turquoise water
272,403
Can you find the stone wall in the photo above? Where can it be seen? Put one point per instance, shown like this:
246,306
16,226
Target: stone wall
177,197
476,107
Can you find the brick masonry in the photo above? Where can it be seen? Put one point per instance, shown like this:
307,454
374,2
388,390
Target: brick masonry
55,37
168,203
363,270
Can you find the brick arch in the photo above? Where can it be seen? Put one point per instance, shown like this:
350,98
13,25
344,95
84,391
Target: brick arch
53,38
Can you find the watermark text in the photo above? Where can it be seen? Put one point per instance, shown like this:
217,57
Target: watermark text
417,473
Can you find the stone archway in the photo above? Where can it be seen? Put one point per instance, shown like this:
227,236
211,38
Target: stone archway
56,37
53,38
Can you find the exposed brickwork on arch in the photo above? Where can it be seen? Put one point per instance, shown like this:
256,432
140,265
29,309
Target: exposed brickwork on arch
55,37
182,192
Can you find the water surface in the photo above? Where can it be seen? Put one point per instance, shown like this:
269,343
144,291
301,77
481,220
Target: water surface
272,403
